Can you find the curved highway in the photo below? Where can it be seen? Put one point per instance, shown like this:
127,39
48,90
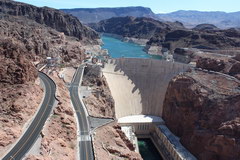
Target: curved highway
85,144
32,133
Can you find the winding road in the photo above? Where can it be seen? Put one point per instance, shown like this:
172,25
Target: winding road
85,144
32,133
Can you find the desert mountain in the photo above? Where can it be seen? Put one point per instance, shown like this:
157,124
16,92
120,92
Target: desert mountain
189,18
170,35
142,28
193,18
93,15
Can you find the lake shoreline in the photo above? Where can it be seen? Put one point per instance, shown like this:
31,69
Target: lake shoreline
139,41
118,48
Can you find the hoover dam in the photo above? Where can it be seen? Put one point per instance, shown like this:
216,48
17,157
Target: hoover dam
138,86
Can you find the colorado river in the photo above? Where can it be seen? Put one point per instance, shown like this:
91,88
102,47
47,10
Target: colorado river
148,150
117,49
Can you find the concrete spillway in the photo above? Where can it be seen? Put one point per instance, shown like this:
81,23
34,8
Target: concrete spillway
138,86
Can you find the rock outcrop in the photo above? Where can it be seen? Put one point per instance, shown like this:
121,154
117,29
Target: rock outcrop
217,63
184,55
205,27
211,64
53,18
15,66
202,108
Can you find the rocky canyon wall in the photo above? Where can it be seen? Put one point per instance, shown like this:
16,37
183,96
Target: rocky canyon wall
202,108
20,92
50,17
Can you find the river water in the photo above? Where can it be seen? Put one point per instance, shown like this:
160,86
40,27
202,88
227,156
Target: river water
147,150
117,49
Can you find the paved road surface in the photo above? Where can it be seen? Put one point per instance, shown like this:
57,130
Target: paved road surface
32,133
85,145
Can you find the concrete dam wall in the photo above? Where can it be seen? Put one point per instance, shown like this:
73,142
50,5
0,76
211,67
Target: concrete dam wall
138,86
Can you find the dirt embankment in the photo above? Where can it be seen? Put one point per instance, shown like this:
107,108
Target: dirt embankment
59,136
100,103
111,143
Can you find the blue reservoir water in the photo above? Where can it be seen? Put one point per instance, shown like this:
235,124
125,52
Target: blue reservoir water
117,49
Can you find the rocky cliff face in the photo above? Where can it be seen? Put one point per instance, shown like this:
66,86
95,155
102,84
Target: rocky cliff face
139,28
15,66
20,93
39,41
202,109
53,18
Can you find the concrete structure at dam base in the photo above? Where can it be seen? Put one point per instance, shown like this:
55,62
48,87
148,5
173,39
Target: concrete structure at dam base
145,126
138,87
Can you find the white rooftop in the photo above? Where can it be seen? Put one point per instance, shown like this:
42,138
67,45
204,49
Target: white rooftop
140,119
128,131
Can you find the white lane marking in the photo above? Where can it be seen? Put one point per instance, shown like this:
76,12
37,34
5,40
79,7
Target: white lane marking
84,138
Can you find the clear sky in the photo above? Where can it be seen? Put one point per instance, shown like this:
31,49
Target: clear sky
158,6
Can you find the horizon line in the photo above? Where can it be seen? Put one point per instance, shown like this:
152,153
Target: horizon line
147,8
